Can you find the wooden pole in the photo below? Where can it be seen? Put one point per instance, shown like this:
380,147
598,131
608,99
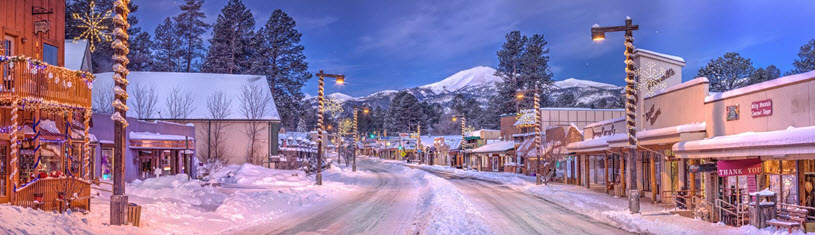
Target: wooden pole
605,171
588,172
622,175
118,201
654,178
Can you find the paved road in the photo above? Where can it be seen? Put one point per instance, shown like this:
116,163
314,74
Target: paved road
387,207
511,212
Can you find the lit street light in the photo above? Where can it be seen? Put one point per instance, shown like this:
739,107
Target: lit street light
321,103
599,33
356,135
463,122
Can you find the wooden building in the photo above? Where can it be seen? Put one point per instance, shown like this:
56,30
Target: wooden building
45,111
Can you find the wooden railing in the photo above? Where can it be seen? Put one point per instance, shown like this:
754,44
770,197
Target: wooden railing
55,194
733,214
30,79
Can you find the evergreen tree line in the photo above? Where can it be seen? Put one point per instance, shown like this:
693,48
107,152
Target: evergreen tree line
236,47
731,70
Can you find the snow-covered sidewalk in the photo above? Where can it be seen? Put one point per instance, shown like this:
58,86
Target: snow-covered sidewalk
606,208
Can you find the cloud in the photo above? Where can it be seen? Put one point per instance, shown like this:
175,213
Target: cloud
315,22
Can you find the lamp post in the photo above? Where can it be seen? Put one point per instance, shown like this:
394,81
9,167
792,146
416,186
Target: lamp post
463,138
365,110
538,146
118,201
320,104
599,33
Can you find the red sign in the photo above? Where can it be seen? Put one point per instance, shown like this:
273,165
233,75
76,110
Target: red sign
762,108
739,167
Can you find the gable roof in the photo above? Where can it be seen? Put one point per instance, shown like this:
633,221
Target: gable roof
200,85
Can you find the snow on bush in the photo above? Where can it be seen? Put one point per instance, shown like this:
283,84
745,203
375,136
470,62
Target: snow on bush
176,188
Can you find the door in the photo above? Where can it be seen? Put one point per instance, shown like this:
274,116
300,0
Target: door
5,186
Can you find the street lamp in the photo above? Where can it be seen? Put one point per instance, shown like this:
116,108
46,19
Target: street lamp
599,33
463,139
536,106
356,134
321,103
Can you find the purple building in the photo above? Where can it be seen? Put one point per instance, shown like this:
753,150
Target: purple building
153,148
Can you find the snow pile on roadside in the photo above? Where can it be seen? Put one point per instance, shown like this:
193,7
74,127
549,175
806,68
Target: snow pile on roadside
176,188
444,210
18,220
253,175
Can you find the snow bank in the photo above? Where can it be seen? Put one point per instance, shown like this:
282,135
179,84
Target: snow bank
18,220
444,210
176,188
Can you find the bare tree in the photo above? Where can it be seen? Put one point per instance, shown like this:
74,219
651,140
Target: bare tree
145,100
179,103
254,105
218,105
103,97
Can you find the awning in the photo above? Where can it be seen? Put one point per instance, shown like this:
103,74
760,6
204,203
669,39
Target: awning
496,147
672,135
772,143
149,140
599,144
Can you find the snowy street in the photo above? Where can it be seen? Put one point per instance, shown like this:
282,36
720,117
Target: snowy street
385,206
513,212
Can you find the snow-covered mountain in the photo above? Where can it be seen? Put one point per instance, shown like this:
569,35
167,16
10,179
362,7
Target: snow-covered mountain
475,77
479,83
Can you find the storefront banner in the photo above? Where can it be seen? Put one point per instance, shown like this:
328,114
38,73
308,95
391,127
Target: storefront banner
739,167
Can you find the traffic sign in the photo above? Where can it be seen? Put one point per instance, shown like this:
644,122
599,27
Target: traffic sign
404,154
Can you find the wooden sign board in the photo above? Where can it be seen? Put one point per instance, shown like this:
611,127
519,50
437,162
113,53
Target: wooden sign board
762,108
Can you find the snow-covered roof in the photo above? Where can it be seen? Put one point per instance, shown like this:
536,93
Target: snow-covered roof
501,146
691,127
75,53
665,56
680,86
771,143
607,121
157,136
200,85
476,76
579,109
573,82
761,86
597,144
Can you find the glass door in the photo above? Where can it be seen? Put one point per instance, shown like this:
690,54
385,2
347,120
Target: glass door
4,171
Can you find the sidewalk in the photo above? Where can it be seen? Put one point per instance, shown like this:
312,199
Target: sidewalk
609,209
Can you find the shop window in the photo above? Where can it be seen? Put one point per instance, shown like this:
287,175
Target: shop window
646,171
26,166
107,163
50,54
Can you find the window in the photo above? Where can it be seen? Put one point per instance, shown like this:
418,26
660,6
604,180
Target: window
3,171
107,163
50,54
8,50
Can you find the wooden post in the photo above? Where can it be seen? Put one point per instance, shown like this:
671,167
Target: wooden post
588,172
605,171
692,189
622,176
654,178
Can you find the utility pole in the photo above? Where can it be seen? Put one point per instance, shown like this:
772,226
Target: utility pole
321,104
118,201
599,33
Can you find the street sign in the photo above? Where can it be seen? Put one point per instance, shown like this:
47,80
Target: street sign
403,154
702,168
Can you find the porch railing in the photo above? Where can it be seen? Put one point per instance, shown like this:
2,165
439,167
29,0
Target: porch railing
31,79
733,214
55,194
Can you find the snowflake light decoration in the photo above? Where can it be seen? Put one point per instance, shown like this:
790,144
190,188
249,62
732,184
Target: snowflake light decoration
651,79
91,22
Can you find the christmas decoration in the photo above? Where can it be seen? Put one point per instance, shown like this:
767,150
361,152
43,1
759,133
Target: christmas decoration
651,78
92,23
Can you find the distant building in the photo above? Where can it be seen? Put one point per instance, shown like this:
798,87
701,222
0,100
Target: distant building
226,137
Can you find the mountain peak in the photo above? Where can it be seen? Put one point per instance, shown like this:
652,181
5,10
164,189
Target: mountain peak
340,96
574,82
476,76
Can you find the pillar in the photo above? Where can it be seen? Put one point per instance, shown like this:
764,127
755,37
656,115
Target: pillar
653,176
588,172
605,171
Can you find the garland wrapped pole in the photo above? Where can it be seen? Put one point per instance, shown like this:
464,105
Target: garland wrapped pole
538,139
321,104
118,201
598,33
86,144
15,110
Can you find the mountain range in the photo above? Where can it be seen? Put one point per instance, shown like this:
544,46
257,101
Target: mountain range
479,83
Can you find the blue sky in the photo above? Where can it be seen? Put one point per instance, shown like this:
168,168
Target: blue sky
401,44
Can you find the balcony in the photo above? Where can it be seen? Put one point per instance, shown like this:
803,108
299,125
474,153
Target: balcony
32,81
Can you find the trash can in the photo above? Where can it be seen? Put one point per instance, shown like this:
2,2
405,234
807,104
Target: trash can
133,214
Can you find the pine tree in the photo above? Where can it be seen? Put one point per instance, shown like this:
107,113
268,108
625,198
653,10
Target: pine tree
101,58
727,72
231,35
280,57
141,45
190,26
806,59
404,113
765,74
167,52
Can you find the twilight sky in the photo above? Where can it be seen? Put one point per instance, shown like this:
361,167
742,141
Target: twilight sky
401,44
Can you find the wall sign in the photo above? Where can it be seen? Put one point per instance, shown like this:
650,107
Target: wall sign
763,108
732,112
651,116
739,167
702,168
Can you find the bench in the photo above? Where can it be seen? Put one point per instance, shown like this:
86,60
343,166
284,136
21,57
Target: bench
790,218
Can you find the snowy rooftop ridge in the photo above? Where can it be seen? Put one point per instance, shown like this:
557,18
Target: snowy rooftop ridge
665,56
680,86
573,82
761,86
477,76
200,85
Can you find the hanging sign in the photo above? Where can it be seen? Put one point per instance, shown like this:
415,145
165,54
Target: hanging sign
739,167
763,108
